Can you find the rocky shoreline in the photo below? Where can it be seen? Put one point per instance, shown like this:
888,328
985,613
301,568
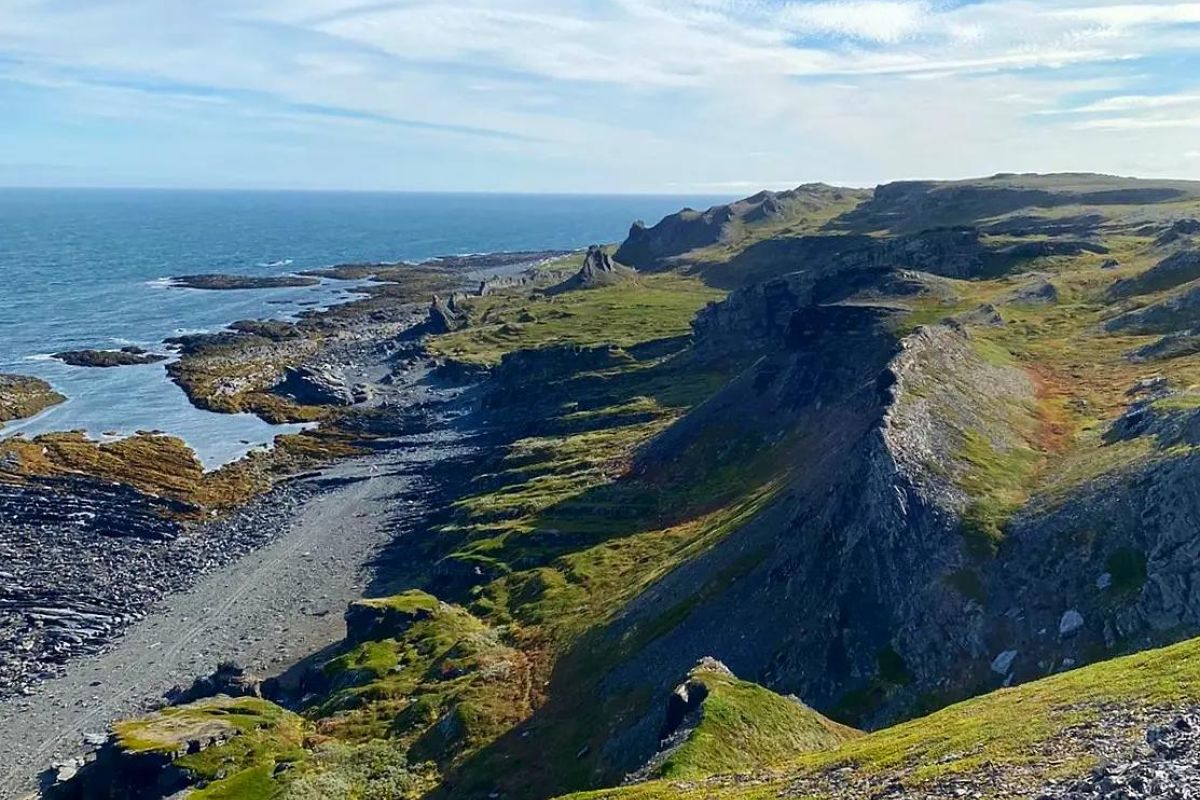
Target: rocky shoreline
22,396
86,559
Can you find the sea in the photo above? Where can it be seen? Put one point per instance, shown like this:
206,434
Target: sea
89,268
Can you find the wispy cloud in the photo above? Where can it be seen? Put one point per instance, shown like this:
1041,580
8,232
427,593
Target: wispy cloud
885,21
610,94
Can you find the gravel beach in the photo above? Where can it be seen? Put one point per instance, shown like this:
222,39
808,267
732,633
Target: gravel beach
265,610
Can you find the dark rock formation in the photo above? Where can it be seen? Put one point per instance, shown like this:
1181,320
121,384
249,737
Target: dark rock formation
598,270
1179,230
597,265
272,330
1177,312
220,282
1175,270
315,386
862,544
229,679
909,206
1175,345
1029,225
125,357
1039,291
373,620
986,315
446,315
519,370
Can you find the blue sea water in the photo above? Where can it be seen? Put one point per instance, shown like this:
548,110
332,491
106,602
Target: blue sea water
85,269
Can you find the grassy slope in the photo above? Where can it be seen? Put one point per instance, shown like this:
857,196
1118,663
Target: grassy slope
1009,726
744,726
650,307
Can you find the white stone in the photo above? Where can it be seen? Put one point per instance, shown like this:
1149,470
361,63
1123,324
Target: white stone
1003,662
1070,623
1104,581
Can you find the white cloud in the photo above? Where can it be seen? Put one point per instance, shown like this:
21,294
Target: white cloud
644,93
1130,103
1130,15
885,21
1139,123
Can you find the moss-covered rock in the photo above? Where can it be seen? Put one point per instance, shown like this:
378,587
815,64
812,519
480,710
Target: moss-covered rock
22,396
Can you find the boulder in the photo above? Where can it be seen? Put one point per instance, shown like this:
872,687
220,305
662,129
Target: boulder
1002,664
1070,623
315,386
1038,292
987,315
229,679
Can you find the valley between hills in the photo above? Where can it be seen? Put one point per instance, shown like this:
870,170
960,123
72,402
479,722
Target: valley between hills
826,493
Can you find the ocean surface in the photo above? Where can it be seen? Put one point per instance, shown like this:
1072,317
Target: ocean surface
87,269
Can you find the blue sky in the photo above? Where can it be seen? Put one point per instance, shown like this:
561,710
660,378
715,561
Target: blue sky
591,95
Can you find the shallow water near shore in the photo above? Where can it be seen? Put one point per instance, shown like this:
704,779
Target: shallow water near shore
87,269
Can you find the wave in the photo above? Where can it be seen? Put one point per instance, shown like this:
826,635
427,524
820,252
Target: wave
287,262
40,357
161,283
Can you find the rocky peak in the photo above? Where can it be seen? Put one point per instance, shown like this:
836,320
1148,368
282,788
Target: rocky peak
596,262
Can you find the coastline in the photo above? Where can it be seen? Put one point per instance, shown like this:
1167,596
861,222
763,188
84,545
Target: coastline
90,581
331,525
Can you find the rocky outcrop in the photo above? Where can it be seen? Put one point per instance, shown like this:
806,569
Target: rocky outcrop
1167,769
229,679
1038,292
315,386
598,270
511,380
1175,345
22,396
678,234
1178,231
908,206
221,282
844,594
388,618
1176,270
1177,312
125,357
446,314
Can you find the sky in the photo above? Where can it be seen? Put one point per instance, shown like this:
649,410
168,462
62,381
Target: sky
595,96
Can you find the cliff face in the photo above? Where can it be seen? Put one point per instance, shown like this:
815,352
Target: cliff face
842,591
